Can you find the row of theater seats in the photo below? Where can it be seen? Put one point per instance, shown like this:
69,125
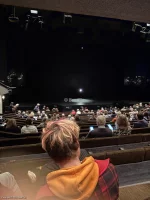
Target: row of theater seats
32,145
83,133
19,166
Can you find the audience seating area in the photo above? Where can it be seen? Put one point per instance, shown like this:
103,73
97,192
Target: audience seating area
24,151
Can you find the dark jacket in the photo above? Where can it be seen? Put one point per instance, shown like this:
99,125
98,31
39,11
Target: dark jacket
14,129
100,132
140,124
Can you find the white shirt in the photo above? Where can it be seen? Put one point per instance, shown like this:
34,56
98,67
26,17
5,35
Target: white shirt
78,112
29,129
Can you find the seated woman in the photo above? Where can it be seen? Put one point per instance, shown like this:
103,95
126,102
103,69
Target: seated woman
29,127
101,131
122,126
12,127
87,180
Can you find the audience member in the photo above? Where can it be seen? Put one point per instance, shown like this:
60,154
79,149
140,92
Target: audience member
43,123
77,118
19,114
63,116
12,127
44,108
11,106
75,179
73,112
69,117
14,109
141,122
31,115
47,109
29,127
101,131
37,108
78,112
123,126
146,117
24,114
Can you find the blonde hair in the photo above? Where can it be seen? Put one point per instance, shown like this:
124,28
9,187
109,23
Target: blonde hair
60,139
122,121
31,114
101,120
11,123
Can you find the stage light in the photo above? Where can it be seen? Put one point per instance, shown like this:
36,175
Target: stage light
148,24
34,12
80,90
82,48
13,18
3,97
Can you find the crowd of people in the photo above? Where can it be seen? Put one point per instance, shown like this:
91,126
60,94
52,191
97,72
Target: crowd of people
123,120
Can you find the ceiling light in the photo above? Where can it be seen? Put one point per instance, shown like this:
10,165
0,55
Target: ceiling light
34,12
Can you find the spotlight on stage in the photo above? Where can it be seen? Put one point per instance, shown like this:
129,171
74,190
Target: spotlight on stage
80,90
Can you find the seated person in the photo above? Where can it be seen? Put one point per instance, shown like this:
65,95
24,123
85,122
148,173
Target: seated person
29,127
12,127
19,114
73,112
31,115
47,109
122,126
89,179
43,123
141,123
37,107
78,112
24,114
146,117
101,131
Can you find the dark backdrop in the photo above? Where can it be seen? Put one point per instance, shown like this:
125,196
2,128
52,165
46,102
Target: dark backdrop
57,61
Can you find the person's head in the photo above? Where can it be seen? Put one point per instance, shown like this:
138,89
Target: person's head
69,116
140,116
19,111
72,118
77,118
60,140
31,115
101,120
11,123
38,104
43,112
38,113
122,122
29,121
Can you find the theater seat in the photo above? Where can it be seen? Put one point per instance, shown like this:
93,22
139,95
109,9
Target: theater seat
129,139
147,153
97,142
126,156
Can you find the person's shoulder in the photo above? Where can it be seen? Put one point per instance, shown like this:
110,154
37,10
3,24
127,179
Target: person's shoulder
103,165
24,127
